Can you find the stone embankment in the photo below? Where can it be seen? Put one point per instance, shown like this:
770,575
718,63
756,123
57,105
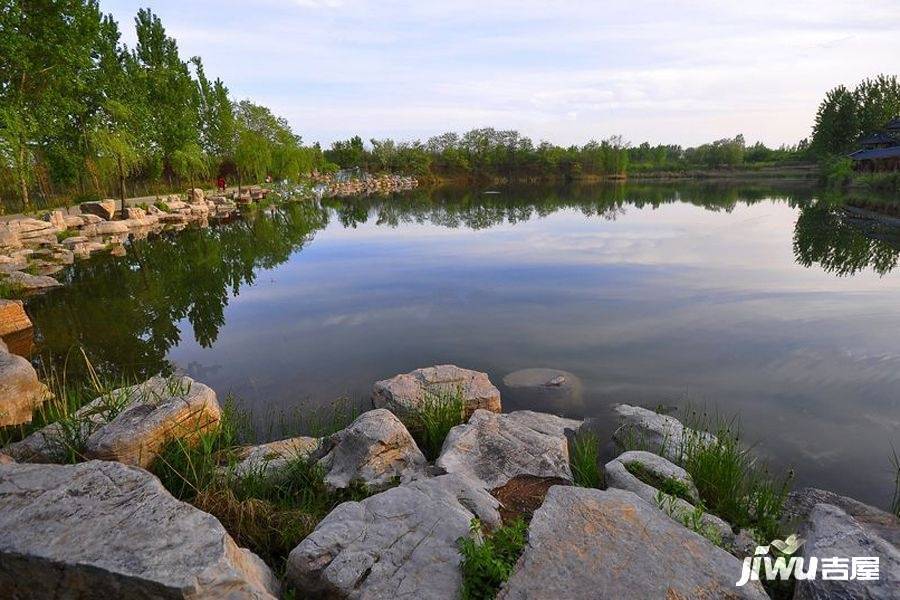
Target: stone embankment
33,250
365,185
107,527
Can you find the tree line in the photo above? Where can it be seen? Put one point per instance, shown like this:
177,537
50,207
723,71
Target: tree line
84,116
506,154
845,115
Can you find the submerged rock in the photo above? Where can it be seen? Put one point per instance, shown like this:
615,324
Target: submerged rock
831,532
552,389
374,450
106,530
492,449
20,390
586,543
409,391
648,430
401,543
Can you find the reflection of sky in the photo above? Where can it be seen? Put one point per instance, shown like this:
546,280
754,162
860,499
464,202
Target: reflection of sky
658,306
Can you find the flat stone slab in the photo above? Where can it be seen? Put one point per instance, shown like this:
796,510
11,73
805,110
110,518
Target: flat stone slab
401,543
374,450
831,532
586,543
492,449
104,209
106,530
31,283
404,393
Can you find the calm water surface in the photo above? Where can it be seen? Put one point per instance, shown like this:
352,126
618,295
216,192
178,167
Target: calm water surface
777,305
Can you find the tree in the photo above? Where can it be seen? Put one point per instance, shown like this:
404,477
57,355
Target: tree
836,126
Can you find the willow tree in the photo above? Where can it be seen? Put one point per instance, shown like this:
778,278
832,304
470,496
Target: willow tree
190,162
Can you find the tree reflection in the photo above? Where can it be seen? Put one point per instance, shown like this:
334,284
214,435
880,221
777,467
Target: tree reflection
844,240
125,311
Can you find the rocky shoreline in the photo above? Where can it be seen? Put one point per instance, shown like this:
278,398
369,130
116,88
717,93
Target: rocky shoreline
106,524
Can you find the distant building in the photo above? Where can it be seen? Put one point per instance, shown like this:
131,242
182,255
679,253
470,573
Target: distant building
879,151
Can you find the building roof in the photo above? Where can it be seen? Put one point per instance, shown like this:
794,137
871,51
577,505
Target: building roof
876,153
880,138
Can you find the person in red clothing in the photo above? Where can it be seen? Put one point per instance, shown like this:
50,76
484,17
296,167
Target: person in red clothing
220,183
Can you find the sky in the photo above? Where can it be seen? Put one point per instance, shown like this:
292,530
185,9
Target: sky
567,72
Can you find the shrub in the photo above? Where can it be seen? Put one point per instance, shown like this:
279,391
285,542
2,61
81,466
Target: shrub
440,411
729,479
895,501
489,557
584,459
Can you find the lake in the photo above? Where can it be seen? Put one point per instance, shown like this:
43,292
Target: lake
778,304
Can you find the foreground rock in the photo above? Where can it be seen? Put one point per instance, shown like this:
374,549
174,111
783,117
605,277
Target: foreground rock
492,449
401,543
585,543
801,502
374,450
648,430
156,412
268,459
103,529
407,392
13,317
129,425
30,283
20,390
831,532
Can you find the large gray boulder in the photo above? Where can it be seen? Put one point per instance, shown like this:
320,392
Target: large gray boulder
106,530
801,502
20,390
642,429
401,543
375,450
586,543
405,393
493,448
679,509
831,532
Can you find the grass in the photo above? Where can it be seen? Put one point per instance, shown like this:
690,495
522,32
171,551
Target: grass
440,411
65,233
268,514
584,460
10,290
692,519
729,478
667,485
162,206
488,557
